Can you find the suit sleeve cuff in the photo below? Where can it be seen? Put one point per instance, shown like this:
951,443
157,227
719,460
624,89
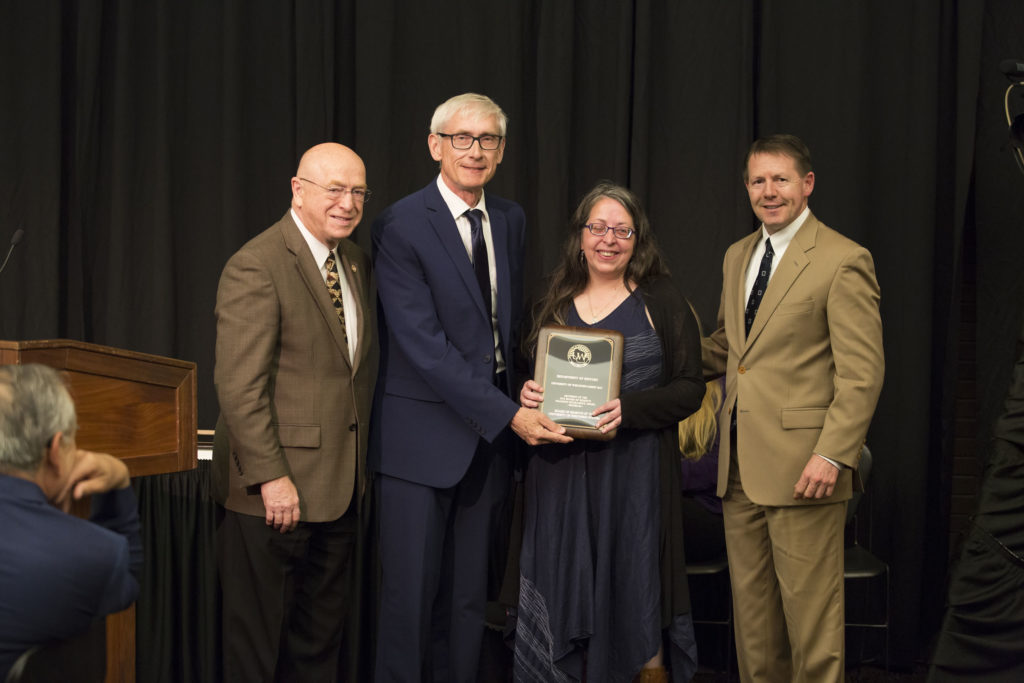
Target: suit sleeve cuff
837,465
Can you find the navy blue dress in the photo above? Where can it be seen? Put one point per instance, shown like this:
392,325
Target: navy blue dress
589,566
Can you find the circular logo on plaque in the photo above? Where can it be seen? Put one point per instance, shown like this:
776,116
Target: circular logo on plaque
578,356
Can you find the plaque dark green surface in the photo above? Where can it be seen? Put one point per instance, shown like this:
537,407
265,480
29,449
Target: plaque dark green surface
580,369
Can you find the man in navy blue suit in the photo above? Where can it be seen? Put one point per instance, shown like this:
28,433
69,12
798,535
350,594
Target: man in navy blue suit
448,260
58,573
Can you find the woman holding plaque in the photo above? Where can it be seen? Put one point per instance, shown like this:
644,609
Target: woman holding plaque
603,591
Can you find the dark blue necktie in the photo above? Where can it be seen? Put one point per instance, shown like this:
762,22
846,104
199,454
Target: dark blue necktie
760,284
480,263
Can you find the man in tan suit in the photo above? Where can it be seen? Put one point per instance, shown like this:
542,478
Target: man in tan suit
799,339
296,364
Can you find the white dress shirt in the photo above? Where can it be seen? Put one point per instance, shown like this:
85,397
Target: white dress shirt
780,242
348,299
458,209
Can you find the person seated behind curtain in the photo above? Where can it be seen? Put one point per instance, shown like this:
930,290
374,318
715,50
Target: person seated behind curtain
58,572
703,531
602,577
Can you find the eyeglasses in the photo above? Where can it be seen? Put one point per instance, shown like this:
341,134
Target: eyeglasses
488,143
600,230
359,194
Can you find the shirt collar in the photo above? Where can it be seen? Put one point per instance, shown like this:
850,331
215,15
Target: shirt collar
782,238
455,203
316,247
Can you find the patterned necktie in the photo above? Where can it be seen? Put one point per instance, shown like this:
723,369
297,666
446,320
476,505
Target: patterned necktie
480,263
334,287
760,284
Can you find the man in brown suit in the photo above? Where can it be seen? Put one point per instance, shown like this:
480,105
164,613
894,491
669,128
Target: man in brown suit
799,340
296,363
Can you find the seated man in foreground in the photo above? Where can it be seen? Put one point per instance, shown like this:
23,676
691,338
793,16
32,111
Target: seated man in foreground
58,573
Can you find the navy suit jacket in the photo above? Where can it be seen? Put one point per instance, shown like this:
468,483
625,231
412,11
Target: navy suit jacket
436,397
59,573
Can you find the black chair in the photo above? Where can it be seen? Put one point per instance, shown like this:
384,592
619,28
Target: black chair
862,566
711,601
79,659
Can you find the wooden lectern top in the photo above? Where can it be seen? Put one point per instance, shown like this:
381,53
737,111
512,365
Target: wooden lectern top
136,406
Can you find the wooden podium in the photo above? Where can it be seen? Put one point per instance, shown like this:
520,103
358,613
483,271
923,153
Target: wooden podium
138,407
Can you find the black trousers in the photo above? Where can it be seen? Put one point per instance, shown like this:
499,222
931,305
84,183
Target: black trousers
285,597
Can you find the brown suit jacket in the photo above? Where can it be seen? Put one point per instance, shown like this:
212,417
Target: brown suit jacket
291,401
807,378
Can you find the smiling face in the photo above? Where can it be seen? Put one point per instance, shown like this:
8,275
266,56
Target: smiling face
329,165
466,171
778,193
607,256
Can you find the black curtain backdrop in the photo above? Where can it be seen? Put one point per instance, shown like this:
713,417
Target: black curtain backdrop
141,143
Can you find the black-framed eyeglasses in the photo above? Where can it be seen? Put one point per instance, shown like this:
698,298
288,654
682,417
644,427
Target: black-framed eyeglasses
600,230
336,192
488,143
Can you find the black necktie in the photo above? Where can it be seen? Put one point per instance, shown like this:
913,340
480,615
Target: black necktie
480,263
760,284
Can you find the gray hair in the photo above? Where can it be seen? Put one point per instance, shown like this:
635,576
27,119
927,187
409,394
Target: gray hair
475,106
34,406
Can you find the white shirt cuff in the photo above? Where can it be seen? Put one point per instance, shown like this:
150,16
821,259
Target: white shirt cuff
830,461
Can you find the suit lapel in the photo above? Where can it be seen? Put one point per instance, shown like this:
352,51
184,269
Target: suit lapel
356,281
499,238
309,271
448,237
741,294
786,272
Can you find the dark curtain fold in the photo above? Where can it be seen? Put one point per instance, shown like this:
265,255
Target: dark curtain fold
177,637
141,143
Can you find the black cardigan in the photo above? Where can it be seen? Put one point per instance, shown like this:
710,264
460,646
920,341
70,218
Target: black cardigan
678,394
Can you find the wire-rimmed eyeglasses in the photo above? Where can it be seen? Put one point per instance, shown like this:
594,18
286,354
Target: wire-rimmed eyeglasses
336,192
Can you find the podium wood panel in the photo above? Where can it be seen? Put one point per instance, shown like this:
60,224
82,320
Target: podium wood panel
138,407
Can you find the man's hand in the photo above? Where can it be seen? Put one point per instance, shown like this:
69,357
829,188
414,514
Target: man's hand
535,428
611,415
818,479
281,500
92,473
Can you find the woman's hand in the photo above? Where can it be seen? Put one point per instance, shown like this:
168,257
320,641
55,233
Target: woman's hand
531,394
610,414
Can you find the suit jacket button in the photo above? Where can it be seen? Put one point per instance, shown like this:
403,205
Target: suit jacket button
487,358
352,427
741,369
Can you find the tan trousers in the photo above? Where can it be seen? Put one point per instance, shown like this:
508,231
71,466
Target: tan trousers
786,568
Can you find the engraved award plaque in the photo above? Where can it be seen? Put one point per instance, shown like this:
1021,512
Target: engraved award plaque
580,369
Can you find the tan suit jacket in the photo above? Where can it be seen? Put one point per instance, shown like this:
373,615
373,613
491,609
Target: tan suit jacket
291,401
807,378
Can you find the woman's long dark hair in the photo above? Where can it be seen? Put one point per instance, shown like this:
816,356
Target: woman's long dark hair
570,276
